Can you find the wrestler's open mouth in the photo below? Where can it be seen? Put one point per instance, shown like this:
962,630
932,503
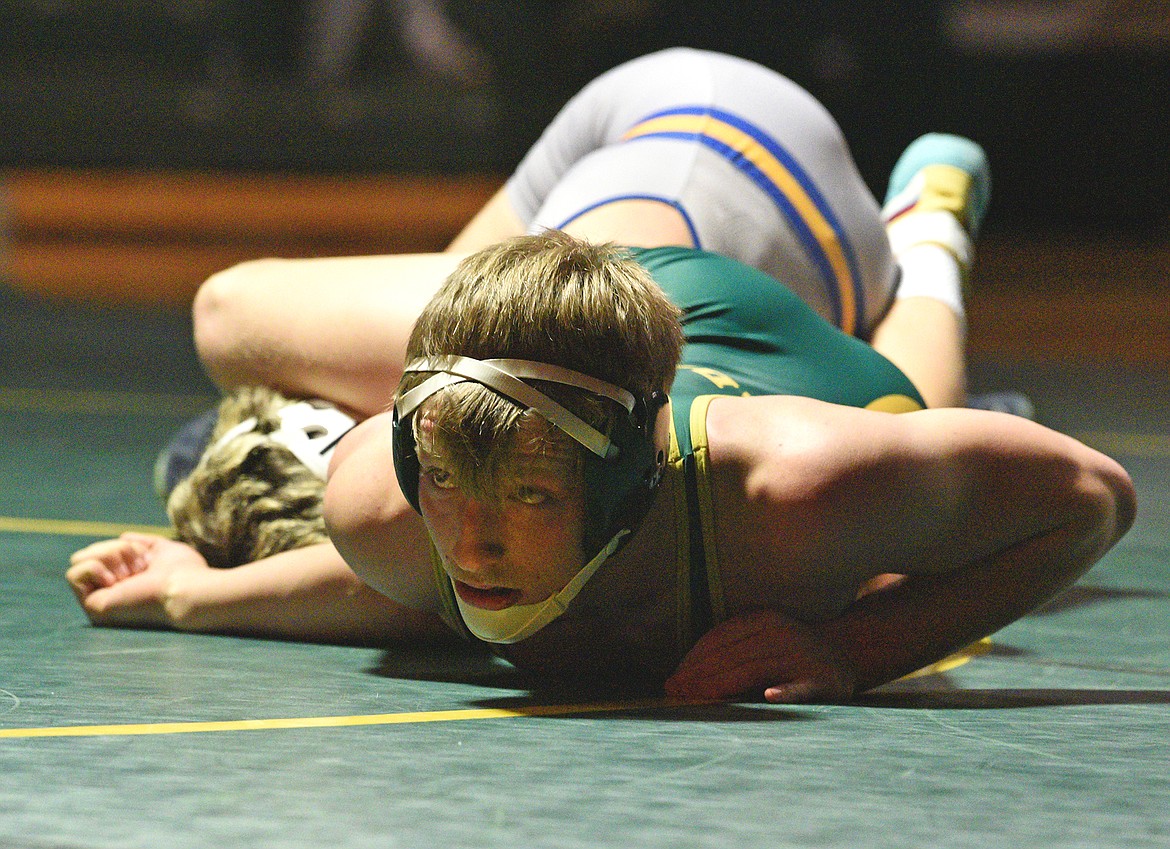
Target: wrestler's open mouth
489,598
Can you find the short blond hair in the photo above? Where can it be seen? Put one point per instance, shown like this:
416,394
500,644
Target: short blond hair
552,299
250,497
558,300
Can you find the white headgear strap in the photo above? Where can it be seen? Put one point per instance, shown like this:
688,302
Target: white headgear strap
507,378
309,429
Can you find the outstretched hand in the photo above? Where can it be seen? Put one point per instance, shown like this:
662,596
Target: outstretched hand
129,581
765,650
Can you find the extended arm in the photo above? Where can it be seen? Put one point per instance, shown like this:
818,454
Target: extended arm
306,594
989,515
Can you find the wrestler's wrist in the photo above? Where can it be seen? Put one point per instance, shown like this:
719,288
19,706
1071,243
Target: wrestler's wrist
842,680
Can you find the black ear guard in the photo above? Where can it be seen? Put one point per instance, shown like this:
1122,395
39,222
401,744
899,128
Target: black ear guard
619,492
621,471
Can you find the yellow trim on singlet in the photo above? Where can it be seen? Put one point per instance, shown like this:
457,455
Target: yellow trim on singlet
707,504
450,608
682,549
894,404
784,182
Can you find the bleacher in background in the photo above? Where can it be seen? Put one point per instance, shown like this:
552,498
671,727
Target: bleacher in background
135,237
145,145
1072,100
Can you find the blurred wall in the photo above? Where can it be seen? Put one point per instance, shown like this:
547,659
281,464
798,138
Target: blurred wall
1070,97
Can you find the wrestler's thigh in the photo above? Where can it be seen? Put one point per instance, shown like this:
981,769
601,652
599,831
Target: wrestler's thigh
736,159
331,328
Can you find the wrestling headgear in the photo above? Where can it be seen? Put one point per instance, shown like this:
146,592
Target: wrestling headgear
309,429
621,470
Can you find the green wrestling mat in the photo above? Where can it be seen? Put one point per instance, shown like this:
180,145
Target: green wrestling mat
1057,737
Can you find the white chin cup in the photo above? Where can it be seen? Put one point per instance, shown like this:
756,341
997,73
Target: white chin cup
520,621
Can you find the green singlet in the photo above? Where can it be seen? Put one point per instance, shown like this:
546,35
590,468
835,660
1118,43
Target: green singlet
748,335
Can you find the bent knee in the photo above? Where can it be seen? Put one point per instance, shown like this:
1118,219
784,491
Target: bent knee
220,314
1112,493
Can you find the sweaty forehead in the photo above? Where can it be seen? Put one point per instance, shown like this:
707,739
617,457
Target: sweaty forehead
557,463
531,440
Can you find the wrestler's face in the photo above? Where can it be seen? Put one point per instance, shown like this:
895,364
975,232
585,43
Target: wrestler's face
517,545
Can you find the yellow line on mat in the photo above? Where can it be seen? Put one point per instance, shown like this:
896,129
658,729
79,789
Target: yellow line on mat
945,665
15,399
335,721
953,661
72,528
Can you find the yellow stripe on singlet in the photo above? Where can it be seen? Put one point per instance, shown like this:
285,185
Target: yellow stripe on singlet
894,404
784,183
707,504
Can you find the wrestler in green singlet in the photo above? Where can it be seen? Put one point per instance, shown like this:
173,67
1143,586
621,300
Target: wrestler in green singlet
744,335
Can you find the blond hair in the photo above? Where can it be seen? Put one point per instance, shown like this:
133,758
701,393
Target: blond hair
553,299
249,497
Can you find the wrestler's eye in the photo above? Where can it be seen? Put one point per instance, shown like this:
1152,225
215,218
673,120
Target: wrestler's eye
530,495
440,478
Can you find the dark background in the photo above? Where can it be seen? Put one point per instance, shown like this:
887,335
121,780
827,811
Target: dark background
1076,125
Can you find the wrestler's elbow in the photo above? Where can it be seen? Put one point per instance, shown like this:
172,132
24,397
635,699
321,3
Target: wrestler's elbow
1121,498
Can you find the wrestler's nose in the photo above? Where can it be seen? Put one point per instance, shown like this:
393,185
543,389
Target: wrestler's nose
480,541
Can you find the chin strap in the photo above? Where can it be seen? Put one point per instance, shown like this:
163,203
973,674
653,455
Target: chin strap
520,621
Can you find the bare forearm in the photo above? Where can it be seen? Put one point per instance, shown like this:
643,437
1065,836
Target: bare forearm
894,632
308,594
